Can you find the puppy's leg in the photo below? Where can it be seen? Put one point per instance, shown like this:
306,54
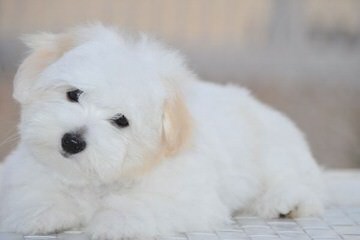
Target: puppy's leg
146,215
37,210
33,201
289,196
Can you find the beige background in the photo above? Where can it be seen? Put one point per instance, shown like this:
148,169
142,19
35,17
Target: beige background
303,57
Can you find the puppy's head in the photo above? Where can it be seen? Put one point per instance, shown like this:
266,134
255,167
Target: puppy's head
98,105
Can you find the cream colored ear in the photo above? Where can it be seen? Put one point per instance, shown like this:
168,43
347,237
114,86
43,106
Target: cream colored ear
45,49
177,125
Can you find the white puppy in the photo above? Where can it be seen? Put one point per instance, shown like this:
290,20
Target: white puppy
118,137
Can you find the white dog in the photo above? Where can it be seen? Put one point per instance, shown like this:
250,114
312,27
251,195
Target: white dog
119,138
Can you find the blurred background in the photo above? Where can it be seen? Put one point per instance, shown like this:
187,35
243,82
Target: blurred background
300,56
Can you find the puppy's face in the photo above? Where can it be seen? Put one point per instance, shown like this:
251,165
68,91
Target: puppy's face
99,109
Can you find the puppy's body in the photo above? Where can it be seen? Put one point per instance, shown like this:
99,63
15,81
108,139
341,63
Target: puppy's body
193,154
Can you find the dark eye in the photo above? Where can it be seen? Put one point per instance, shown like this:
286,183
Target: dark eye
73,95
120,120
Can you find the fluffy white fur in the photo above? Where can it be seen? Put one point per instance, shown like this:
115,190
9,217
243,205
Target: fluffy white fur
195,152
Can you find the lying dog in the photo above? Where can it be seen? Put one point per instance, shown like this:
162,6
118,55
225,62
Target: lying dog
118,137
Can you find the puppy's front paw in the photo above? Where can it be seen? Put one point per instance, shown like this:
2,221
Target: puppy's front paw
40,221
114,225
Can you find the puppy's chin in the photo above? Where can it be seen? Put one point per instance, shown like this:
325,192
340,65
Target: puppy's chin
78,169
52,162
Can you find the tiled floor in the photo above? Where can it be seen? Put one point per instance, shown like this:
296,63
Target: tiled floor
337,223
340,221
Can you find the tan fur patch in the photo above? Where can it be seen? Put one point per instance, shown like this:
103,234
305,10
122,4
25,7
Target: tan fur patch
177,125
44,53
176,132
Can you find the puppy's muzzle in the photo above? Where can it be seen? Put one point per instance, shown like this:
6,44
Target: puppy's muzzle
73,143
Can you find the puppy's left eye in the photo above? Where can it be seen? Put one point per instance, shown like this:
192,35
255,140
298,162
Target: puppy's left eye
120,121
73,95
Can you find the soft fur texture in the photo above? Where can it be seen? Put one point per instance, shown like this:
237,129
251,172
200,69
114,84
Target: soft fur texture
194,153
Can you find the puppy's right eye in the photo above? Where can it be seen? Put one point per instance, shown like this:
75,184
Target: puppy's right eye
73,95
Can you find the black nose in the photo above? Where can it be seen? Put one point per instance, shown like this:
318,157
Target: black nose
73,143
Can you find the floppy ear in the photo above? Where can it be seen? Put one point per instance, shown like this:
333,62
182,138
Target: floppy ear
45,49
177,125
